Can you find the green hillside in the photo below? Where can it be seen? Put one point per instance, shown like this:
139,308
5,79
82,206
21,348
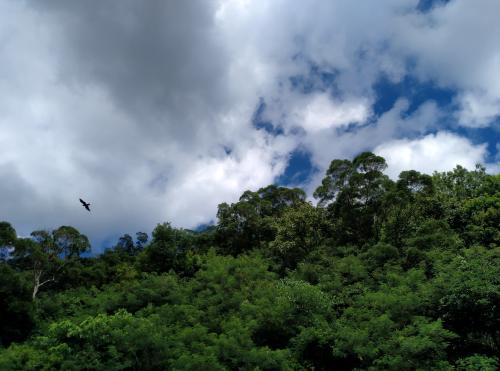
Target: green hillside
381,275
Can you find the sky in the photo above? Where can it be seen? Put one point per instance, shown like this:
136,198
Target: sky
158,111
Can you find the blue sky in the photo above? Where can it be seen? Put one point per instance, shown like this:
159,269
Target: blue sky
158,111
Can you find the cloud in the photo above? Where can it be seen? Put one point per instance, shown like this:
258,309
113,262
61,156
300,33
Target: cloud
211,181
434,152
145,109
477,109
320,113
128,106
456,46
148,57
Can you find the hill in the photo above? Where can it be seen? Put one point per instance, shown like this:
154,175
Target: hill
380,275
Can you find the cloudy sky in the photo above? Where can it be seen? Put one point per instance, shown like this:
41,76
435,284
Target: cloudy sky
160,110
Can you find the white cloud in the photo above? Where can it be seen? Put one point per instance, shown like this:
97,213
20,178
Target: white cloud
141,138
328,145
208,182
457,46
433,152
146,108
320,112
477,110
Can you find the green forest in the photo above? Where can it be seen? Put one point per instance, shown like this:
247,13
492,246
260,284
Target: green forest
379,275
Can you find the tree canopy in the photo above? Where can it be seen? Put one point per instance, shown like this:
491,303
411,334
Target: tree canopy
379,275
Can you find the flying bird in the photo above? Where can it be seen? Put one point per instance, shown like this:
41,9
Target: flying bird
85,204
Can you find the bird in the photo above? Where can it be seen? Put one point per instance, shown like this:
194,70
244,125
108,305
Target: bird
85,204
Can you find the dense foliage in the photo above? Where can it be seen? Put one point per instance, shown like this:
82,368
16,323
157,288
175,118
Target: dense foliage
381,275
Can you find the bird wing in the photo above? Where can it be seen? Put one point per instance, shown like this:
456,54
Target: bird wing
85,204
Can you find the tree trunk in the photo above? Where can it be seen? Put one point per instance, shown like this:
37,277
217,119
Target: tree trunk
37,284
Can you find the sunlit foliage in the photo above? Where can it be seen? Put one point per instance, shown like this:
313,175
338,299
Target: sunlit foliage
381,275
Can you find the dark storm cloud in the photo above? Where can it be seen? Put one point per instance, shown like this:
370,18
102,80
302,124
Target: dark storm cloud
15,191
125,104
132,105
158,60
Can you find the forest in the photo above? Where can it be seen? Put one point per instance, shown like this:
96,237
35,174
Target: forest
380,274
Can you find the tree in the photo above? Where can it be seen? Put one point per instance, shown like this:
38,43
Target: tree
478,362
460,183
453,188
353,193
406,205
275,200
16,315
126,244
141,240
381,275
248,223
168,249
8,237
70,241
467,294
45,253
41,255
298,232
481,215
412,183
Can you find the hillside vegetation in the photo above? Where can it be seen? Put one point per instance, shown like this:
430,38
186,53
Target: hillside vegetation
381,275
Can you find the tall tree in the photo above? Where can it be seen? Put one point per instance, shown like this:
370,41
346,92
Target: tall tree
41,255
45,253
141,240
353,191
299,231
406,205
481,215
126,244
247,223
168,249
70,241
454,187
